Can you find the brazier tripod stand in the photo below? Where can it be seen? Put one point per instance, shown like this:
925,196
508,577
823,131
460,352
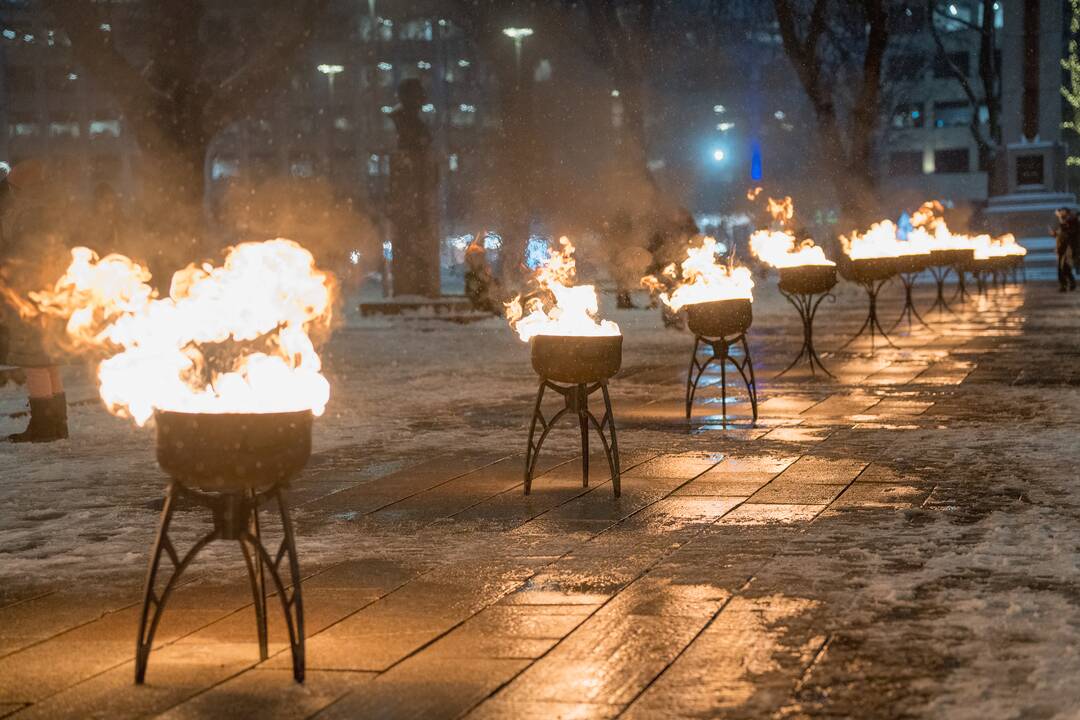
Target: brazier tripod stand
236,517
576,402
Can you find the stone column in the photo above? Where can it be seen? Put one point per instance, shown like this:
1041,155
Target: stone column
1033,43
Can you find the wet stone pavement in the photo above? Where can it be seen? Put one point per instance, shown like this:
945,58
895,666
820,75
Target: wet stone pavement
900,542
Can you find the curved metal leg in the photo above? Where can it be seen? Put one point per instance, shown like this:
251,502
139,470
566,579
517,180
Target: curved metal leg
872,324
576,399
807,308
940,303
148,621
292,604
751,383
256,575
583,422
610,450
909,310
534,449
691,381
723,387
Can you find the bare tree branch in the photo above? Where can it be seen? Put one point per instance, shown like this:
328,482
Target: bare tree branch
263,71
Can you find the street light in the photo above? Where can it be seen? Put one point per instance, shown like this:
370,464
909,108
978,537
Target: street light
718,155
518,35
330,71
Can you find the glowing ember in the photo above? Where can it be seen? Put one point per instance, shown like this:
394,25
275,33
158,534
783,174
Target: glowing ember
704,279
228,339
560,307
752,193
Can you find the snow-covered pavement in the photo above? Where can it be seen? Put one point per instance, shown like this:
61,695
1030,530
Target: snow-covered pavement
901,542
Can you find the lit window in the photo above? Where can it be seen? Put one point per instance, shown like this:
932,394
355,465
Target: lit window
385,66
423,65
387,109
724,126
779,115
452,162
64,128
23,129
427,107
105,27
373,165
719,109
103,128
463,63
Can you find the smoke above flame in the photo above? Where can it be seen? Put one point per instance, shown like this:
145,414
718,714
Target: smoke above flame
557,306
228,339
702,277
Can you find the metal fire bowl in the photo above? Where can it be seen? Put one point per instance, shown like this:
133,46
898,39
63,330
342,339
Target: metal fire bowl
233,451
720,318
950,258
866,270
807,279
576,360
913,263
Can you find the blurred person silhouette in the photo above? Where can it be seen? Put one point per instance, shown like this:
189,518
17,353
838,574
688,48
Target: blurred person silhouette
32,250
481,286
1067,245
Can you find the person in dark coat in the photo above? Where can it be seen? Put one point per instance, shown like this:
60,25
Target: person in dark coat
32,244
1067,235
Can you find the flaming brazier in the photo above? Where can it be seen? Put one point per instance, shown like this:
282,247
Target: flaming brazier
575,367
720,325
799,284
230,463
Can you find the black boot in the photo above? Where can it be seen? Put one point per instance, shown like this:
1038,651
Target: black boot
48,421
36,430
59,416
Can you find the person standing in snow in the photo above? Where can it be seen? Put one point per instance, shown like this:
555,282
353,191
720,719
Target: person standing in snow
1067,235
32,242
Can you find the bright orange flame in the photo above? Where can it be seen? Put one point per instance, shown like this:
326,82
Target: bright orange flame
753,193
575,308
228,339
779,249
881,240
783,210
929,232
704,279
932,233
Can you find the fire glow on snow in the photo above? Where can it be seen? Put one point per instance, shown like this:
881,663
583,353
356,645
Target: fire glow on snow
560,307
233,338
